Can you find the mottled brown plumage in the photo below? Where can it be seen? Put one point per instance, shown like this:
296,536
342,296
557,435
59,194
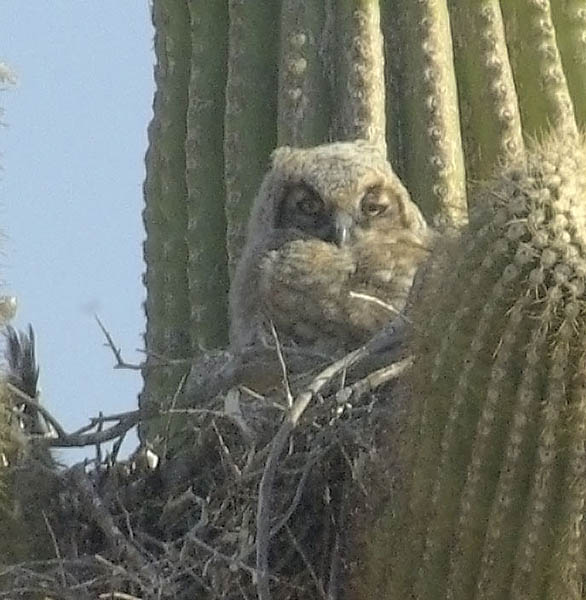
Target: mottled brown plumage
333,245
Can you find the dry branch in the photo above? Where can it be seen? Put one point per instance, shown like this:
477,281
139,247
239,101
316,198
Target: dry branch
243,485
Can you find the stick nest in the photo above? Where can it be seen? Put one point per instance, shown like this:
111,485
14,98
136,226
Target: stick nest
253,494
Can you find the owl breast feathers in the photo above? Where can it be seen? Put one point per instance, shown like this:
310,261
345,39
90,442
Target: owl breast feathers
333,245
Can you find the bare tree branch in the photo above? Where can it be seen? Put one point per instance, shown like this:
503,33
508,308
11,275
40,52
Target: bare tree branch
120,362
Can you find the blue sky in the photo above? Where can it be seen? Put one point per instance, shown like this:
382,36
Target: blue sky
71,156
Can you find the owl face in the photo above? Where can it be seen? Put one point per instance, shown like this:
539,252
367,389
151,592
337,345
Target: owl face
327,218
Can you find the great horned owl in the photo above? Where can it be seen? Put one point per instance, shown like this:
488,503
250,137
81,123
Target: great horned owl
333,245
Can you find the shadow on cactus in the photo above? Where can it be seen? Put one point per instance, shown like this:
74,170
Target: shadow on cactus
493,447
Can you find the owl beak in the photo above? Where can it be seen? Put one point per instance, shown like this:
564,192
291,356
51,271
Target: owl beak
342,228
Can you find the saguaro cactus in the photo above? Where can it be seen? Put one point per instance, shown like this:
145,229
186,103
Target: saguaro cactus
492,450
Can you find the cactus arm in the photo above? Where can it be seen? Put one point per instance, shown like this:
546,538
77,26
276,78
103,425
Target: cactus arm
165,217
569,17
489,112
430,409
251,110
206,219
429,113
304,91
544,98
361,87
492,505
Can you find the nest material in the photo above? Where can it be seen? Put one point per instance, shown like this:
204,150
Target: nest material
256,497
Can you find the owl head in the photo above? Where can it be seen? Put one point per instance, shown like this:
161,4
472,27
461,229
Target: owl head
327,220
333,192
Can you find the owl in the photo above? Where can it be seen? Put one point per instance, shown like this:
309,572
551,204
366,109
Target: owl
332,248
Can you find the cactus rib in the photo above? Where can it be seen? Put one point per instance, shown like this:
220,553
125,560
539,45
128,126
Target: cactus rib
206,219
569,17
429,113
165,216
304,90
544,97
251,110
361,87
491,123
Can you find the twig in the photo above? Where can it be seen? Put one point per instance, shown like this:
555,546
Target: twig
233,409
296,497
333,579
57,550
79,438
217,554
252,393
196,411
118,569
283,366
114,417
374,380
99,429
178,391
375,300
353,471
89,439
120,362
164,361
307,563
230,416
116,448
242,591
118,596
226,453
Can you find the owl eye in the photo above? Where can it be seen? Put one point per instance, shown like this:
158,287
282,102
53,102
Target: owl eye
307,202
374,203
